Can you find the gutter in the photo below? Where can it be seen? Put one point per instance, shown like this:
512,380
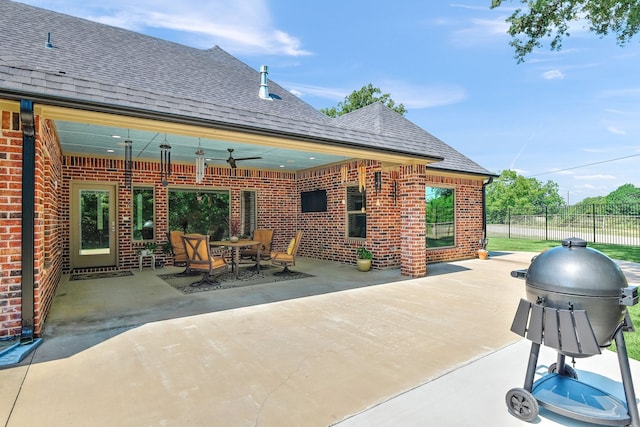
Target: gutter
484,209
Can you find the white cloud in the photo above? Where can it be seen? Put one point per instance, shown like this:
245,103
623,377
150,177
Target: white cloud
419,96
615,130
241,26
629,92
590,187
594,177
562,172
413,97
522,172
552,75
480,31
303,90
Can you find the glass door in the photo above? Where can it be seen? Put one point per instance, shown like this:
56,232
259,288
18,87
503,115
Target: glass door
93,225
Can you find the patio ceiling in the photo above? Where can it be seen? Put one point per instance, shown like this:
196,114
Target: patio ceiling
102,134
108,141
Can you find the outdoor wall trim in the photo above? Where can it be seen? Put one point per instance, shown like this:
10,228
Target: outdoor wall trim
27,122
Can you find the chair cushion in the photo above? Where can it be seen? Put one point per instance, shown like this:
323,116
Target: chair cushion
292,245
218,262
281,257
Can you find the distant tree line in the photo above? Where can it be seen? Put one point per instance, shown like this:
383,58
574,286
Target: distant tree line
514,192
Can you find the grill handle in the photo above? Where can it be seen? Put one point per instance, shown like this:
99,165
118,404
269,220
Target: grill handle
629,296
519,274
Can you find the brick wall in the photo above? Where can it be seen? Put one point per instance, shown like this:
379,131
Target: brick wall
276,197
10,223
47,251
47,247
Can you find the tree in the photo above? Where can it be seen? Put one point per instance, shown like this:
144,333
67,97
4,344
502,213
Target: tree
361,98
511,190
627,193
546,18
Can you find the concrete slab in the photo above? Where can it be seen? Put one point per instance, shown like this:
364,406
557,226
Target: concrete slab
307,352
474,395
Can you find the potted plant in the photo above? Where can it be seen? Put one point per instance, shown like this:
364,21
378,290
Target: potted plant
483,253
364,258
148,248
234,229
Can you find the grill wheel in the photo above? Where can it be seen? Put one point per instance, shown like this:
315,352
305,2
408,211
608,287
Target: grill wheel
522,404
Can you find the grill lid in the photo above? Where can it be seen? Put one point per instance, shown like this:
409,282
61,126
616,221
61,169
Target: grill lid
575,269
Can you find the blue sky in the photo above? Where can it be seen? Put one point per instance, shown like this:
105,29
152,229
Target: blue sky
572,116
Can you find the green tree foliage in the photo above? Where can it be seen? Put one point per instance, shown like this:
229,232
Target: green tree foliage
361,98
202,212
624,200
543,19
439,205
511,190
597,200
627,193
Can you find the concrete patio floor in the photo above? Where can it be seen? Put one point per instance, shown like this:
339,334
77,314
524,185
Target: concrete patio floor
341,348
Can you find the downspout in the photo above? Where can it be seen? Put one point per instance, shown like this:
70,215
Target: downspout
484,209
28,215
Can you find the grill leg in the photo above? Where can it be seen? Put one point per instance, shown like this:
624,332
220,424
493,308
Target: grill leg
531,367
560,364
627,381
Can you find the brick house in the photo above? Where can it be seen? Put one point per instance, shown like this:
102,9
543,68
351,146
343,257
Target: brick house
68,86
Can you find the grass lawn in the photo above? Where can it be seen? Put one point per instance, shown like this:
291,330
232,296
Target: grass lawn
626,253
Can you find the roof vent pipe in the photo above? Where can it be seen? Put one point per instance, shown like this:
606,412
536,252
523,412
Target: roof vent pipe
48,44
264,87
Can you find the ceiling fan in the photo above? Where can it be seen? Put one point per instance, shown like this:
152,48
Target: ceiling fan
232,161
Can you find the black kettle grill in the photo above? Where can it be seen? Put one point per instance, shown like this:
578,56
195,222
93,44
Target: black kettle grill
577,301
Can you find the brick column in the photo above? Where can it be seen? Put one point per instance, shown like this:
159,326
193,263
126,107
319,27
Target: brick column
411,201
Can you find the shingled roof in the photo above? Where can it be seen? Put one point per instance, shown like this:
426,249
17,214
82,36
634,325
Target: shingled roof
384,121
95,65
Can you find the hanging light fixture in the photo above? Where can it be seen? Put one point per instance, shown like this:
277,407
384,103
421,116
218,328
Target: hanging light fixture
165,161
128,160
199,164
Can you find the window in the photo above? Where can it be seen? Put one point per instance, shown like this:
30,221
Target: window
356,213
440,215
248,212
199,211
143,213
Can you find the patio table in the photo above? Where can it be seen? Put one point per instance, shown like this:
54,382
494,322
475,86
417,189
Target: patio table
235,255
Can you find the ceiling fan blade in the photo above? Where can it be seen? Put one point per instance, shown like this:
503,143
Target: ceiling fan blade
248,158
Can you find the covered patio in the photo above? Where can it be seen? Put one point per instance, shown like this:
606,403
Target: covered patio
105,129
309,352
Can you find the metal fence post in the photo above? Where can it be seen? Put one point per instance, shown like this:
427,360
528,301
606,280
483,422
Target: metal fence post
593,212
546,223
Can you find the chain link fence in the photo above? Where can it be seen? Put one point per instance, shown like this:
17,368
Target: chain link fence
617,224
